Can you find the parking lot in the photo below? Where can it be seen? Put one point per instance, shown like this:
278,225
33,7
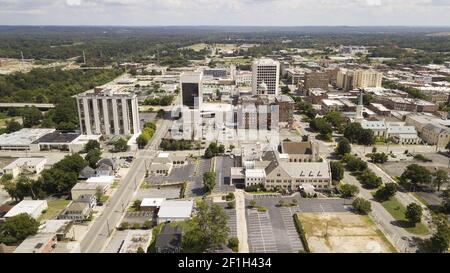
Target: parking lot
192,173
232,223
162,192
324,205
260,234
274,230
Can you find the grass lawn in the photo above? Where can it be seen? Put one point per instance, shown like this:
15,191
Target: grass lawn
4,120
104,199
54,208
398,212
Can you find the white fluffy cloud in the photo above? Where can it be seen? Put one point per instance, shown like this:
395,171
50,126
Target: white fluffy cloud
226,12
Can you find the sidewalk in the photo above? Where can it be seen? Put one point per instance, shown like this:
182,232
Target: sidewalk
241,221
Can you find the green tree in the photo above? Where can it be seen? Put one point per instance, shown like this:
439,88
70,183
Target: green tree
355,164
322,126
386,192
209,181
446,201
207,230
343,146
91,145
233,244
440,179
252,203
120,145
362,206
413,213
369,180
348,190
337,170
440,241
150,125
415,175
17,228
92,157
12,126
378,157
31,117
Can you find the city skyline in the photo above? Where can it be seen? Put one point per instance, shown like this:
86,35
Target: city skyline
226,13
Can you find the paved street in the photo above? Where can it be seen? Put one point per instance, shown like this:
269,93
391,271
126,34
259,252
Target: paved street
405,198
105,223
399,237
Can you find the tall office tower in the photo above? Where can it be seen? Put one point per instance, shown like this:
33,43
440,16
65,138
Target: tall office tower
344,79
108,111
265,71
367,78
191,89
316,80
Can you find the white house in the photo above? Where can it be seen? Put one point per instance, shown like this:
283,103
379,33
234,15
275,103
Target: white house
34,208
32,165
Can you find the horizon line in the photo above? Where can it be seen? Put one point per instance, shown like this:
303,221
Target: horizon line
208,25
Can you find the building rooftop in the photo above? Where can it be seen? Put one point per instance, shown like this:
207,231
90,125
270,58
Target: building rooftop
28,161
26,206
297,147
23,137
58,137
87,186
101,179
175,209
255,173
152,202
55,226
307,169
136,239
34,243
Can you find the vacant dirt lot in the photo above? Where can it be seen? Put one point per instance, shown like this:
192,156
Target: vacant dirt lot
343,233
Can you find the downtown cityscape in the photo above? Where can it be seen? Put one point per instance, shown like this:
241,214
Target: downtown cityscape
223,139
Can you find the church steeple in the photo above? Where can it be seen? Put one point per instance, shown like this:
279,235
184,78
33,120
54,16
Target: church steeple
360,108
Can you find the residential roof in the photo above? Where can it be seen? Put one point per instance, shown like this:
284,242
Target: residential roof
175,209
76,206
108,161
88,186
87,172
26,206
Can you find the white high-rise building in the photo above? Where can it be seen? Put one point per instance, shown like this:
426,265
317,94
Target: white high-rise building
265,71
108,111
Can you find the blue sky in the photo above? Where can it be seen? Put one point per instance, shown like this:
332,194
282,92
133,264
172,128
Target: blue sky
226,12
